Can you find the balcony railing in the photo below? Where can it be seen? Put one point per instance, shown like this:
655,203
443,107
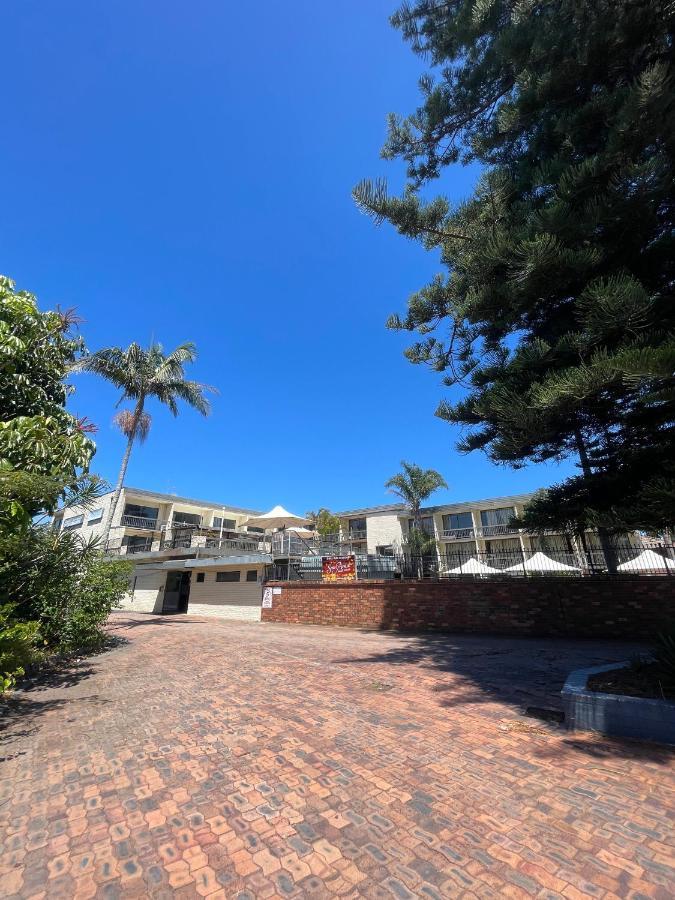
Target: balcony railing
458,534
139,548
139,522
360,535
493,530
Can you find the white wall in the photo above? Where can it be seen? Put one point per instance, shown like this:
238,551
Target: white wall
382,530
148,592
227,599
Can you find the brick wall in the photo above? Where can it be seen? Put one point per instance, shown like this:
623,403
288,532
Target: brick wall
634,608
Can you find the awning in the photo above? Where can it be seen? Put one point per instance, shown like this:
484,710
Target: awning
245,559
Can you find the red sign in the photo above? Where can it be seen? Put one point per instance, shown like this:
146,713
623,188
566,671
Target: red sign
338,568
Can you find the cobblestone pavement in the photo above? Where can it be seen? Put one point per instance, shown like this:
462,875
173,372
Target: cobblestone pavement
206,758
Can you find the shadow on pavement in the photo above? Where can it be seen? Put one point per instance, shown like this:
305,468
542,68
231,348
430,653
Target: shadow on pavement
524,673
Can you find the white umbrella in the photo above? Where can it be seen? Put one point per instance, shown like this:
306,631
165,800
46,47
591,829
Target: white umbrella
539,562
474,567
647,561
276,518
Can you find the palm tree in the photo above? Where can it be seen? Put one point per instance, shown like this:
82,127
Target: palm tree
415,485
143,374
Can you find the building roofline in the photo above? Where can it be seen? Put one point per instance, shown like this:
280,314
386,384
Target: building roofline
390,507
509,499
175,498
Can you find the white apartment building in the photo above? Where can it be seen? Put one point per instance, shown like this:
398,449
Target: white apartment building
201,557
187,553
474,526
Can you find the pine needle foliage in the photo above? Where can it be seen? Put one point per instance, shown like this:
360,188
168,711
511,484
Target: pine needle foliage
552,319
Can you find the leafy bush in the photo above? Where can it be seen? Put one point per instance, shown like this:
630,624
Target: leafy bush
17,646
63,584
102,584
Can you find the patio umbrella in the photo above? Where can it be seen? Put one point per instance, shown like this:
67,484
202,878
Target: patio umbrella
278,517
539,562
474,567
648,561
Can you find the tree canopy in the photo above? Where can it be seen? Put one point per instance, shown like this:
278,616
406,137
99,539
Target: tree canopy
41,443
144,375
414,485
552,319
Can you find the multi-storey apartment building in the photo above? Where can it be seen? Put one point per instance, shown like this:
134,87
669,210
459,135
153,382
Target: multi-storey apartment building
205,557
461,530
185,551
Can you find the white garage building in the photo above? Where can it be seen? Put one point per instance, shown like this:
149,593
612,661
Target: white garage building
227,587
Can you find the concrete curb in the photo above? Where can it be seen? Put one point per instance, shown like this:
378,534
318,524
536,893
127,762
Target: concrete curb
615,714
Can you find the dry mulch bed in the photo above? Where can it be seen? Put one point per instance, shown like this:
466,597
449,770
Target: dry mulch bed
638,680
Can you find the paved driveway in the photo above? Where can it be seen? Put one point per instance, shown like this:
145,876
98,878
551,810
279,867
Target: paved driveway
247,760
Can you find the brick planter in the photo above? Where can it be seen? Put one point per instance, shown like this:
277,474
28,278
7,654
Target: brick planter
626,608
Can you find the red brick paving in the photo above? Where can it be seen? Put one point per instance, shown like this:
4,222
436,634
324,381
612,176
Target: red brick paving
213,759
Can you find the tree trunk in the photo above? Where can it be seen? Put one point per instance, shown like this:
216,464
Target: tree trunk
123,471
603,534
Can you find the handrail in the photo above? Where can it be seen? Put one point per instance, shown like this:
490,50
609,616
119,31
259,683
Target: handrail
139,522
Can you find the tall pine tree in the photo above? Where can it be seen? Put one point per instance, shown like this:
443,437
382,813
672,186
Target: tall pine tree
553,319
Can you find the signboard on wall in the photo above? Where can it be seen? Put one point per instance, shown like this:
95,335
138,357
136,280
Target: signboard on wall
338,568
267,598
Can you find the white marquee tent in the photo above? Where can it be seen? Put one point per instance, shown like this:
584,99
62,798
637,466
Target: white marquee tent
473,567
539,562
648,561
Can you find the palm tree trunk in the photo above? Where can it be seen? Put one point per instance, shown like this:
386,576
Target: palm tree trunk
122,473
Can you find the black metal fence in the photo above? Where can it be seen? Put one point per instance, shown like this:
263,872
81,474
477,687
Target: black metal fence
621,560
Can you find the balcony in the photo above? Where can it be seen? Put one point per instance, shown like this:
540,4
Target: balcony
145,547
139,522
458,534
360,535
496,530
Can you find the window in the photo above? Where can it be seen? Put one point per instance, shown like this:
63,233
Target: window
252,575
426,522
357,527
141,512
219,521
228,576
255,530
136,543
384,550
95,516
496,516
200,577
183,518
72,522
457,521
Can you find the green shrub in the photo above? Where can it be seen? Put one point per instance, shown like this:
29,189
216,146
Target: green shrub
100,588
18,642
64,585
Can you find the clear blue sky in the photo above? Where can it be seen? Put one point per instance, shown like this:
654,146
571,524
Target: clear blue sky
183,171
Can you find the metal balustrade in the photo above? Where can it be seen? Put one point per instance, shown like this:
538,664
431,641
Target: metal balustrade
458,534
623,560
139,522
